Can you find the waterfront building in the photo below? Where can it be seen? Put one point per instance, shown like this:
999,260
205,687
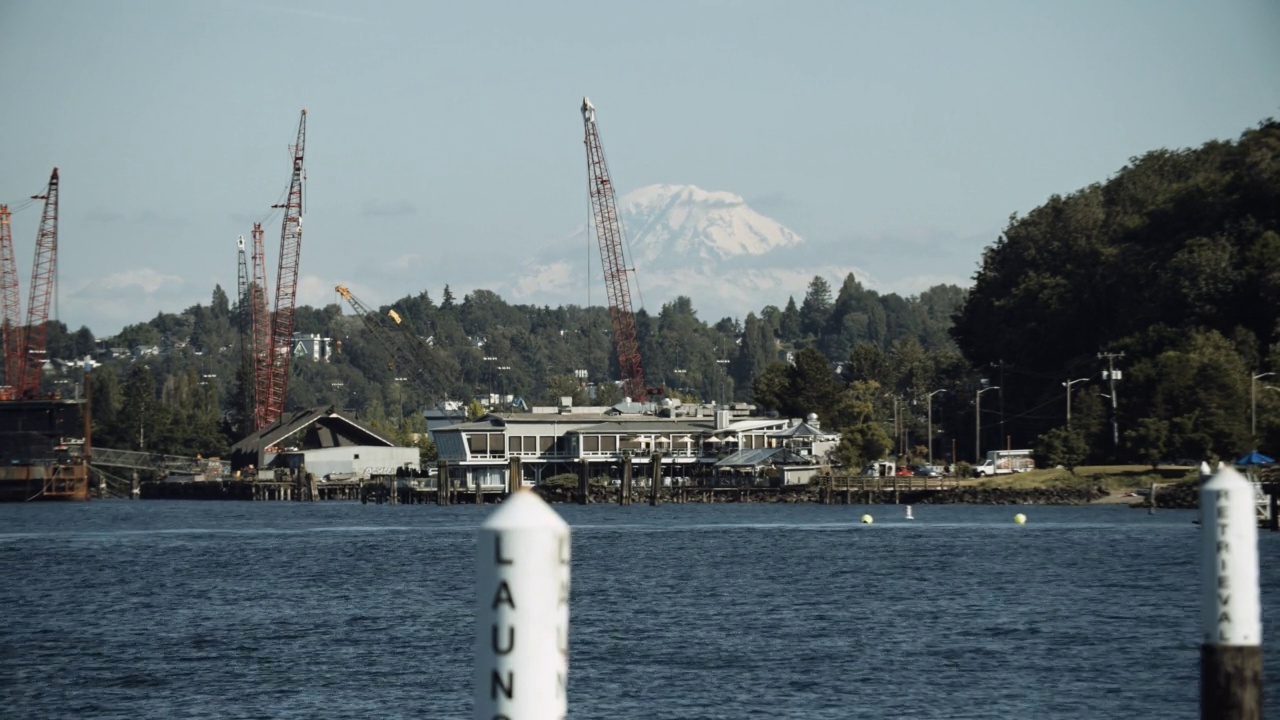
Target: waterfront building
330,444
692,445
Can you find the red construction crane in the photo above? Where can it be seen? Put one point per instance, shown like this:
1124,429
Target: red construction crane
10,309
260,330
36,330
604,205
279,350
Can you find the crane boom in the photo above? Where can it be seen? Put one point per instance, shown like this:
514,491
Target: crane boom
604,205
409,353
244,313
244,322
286,282
36,331
10,308
259,329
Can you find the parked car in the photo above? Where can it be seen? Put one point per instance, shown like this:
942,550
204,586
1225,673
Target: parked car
926,472
904,471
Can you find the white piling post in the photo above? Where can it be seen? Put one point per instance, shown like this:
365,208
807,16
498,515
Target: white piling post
522,612
1230,601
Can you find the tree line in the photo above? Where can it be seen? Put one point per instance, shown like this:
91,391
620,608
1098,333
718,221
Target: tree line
1167,273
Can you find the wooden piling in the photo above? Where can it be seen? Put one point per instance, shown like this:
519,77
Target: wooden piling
656,482
515,475
442,482
583,483
1151,500
624,494
1273,499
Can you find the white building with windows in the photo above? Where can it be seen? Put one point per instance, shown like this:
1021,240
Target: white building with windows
715,447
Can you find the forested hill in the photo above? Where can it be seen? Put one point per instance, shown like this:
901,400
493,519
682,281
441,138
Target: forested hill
482,344
1168,273
1175,262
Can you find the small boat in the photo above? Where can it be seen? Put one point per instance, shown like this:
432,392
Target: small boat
909,516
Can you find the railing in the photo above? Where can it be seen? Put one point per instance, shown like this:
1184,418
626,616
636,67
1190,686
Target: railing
890,483
157,462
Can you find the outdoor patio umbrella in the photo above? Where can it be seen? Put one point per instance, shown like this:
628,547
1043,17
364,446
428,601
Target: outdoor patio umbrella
1254,458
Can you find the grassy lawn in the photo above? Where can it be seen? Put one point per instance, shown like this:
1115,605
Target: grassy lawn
1112,477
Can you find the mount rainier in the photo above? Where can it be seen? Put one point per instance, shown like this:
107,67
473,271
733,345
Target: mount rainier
682,240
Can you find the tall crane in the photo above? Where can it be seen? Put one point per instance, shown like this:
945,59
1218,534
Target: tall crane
410,354
271,406
10,309
36,330
604,205
244,313
259,330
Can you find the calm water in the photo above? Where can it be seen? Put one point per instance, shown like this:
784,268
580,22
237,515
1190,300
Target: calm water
335,610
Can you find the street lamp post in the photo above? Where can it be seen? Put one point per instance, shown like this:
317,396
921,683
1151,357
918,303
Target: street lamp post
1068,385
930,399
1253,403
977,423
502,384
399,381
724,379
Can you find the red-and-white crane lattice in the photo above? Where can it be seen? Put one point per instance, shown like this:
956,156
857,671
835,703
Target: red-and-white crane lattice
604,206
36,329
271,378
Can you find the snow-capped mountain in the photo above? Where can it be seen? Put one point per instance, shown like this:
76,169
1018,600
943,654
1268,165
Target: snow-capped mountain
694,223
682,240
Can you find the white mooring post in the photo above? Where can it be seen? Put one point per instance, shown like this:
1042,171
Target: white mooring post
1230,601
522,612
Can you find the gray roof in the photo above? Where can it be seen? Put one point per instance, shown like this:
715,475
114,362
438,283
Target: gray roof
648,427
763,456
335,428
803,429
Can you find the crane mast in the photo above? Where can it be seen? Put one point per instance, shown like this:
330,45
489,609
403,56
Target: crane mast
604,206
244,321
259,329
243,312
286,285
10,308
36,331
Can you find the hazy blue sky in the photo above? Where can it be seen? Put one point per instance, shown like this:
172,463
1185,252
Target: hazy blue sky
445,137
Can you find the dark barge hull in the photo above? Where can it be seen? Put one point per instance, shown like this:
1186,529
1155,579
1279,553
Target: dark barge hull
32,483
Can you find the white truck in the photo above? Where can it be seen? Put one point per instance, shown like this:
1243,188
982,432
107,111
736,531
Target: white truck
1004,462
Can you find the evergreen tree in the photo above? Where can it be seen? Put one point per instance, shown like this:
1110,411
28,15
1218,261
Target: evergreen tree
816,307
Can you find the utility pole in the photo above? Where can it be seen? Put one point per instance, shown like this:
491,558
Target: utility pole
1253,404
977,423
930,400
1000,380
1112,375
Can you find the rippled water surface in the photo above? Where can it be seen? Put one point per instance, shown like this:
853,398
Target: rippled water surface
341,610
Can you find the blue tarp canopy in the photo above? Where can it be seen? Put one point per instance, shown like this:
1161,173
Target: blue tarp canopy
1255,458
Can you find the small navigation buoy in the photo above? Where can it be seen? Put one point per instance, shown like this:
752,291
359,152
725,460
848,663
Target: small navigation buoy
909,516
866,519
1020,519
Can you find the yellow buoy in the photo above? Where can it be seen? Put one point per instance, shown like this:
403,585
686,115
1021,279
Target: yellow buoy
1020,519
866,519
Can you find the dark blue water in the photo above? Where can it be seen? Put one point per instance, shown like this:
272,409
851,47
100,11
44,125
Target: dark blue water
336,610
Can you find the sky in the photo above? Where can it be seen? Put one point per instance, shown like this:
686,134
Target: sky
444,140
